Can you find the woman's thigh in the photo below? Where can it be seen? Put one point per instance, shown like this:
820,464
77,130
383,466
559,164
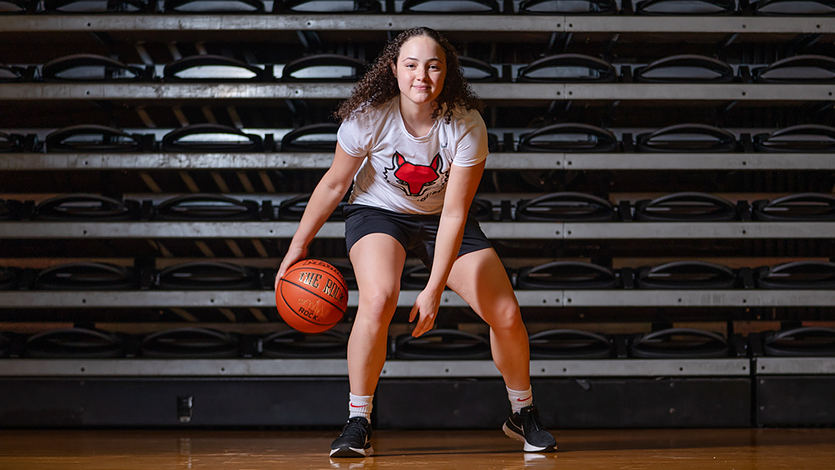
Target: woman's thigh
481,280
378,261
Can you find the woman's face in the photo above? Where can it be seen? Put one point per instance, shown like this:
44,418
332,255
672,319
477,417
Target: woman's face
420,70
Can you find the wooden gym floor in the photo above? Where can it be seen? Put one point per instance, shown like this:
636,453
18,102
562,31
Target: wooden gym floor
739,449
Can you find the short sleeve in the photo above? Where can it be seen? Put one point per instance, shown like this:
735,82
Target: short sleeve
354,136
471,148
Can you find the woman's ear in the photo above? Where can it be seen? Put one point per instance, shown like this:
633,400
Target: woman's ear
394,69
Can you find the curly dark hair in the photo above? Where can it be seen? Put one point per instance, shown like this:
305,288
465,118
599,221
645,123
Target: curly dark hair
379,85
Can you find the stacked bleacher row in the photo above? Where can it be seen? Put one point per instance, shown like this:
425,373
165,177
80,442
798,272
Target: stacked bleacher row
525,7
563,344
556,275
558,68
553,207
321,137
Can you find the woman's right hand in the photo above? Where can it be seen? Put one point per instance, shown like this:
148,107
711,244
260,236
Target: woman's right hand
293,256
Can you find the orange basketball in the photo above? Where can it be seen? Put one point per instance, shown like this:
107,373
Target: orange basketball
312,296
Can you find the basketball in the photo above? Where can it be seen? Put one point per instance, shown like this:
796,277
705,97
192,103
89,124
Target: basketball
312,296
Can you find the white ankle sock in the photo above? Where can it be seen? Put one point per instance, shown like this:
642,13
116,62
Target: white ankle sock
519,399
359,406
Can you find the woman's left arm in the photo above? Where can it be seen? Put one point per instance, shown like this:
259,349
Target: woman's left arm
460,191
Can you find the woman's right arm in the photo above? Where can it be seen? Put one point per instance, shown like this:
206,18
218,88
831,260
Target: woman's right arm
328,193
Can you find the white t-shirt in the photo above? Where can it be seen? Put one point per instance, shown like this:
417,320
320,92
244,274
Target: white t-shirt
404,173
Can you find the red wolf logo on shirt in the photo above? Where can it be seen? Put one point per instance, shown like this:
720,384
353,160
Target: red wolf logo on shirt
413,179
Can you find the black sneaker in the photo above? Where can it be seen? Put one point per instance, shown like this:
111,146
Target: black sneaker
355,440
525,426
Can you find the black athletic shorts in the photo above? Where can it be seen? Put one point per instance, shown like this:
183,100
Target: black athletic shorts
415,232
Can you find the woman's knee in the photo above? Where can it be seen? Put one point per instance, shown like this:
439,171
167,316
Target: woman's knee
505,316
378,306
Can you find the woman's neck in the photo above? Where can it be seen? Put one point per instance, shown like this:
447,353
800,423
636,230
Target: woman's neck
418,119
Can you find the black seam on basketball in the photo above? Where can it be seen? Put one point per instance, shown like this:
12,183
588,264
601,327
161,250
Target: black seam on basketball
298,315
316,294
302,316
340,280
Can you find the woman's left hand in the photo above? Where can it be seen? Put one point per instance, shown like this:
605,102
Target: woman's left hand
425,310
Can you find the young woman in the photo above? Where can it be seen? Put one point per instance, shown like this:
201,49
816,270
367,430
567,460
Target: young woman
413,144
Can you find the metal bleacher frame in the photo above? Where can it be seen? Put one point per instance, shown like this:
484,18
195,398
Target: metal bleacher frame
134,24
